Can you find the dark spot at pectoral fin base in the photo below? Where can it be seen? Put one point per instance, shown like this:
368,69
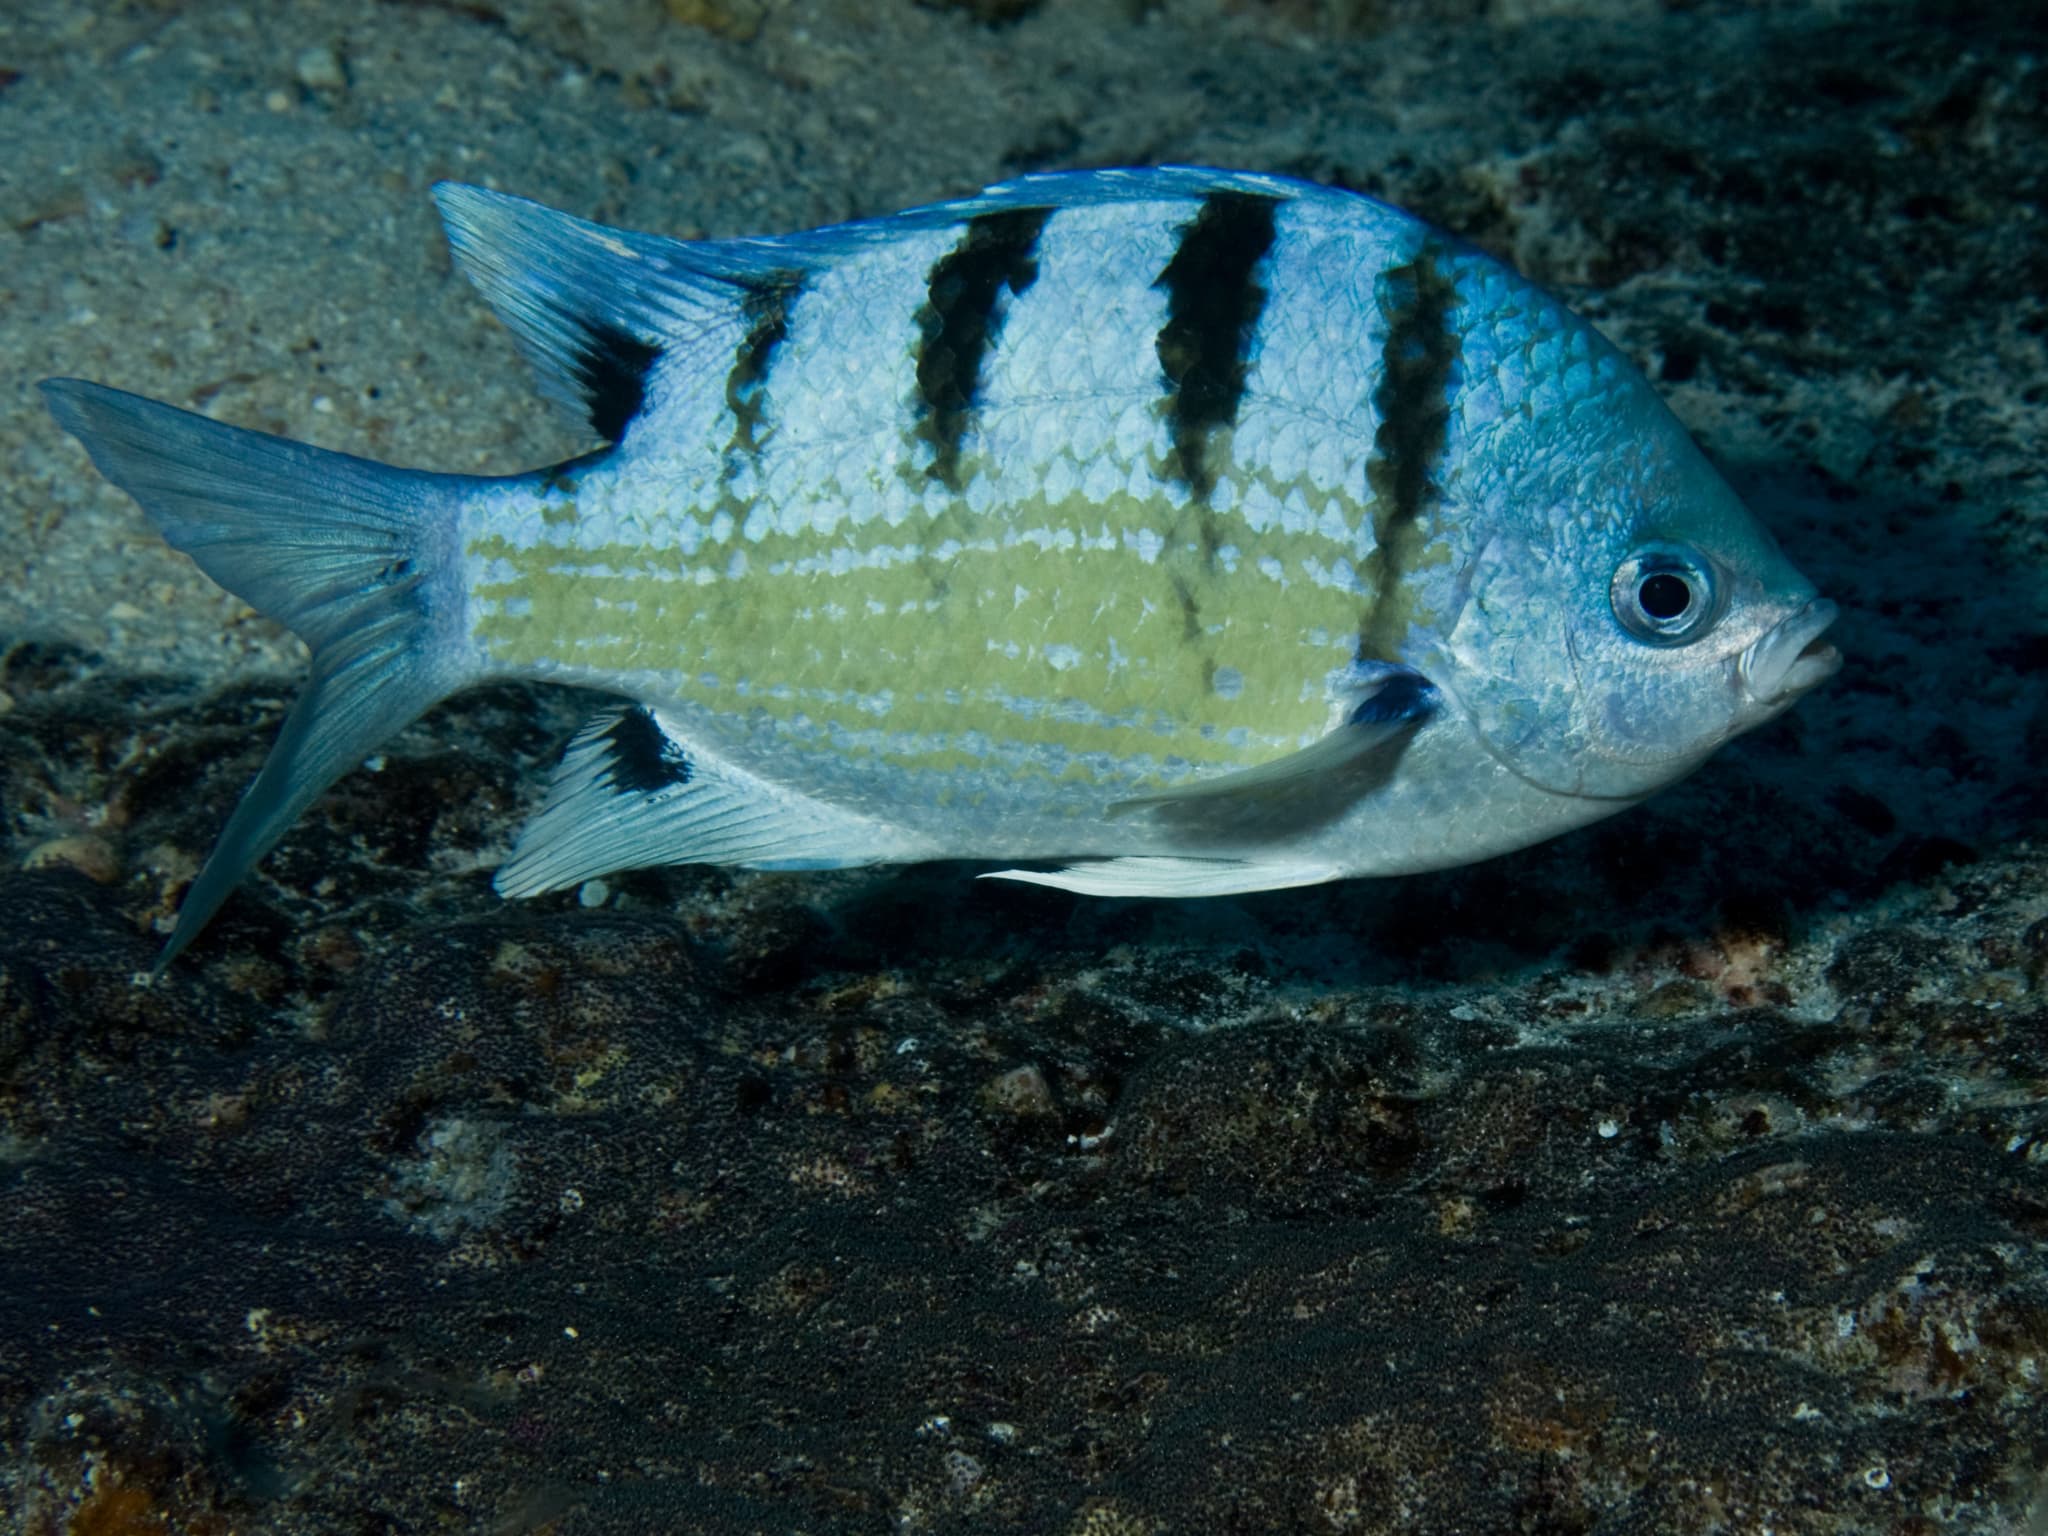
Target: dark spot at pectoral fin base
629,795
1388,703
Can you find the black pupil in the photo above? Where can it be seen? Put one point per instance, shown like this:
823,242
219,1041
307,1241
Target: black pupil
1664,596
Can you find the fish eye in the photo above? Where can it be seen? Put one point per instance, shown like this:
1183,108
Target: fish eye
1664,594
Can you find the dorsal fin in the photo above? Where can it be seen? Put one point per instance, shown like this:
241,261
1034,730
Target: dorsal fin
597,310
600,312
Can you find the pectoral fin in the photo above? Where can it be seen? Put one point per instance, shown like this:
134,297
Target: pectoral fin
1168,875
1392,702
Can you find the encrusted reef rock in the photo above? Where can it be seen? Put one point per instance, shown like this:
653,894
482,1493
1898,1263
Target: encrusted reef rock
1689,1174
542,1218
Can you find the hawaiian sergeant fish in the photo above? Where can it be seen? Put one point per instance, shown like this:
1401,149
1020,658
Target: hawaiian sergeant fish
1217,531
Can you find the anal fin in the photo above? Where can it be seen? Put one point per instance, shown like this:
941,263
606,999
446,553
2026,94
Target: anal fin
1170,875
629,794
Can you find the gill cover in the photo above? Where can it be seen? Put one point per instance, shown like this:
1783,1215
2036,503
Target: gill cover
1567,688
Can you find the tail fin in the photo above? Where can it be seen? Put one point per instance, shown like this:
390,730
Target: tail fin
356,557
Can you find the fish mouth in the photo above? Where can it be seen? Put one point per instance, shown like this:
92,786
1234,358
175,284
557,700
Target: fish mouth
1790,658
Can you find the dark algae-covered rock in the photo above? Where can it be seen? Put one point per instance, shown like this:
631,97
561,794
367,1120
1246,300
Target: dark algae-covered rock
545,1221
1688,1174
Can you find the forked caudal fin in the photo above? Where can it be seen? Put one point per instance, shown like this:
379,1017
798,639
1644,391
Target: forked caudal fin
354,556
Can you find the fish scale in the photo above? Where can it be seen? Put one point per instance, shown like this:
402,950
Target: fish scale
1027,406
807,578
1218,531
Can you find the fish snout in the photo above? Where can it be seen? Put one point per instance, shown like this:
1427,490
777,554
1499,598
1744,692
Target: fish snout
1790,658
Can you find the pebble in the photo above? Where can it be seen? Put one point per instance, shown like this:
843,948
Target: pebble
93,857
1021,1091
319,69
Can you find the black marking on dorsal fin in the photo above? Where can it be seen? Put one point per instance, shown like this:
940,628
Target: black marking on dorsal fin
1418,375
1213,303
766,311
612,366
596,310
643,757
958,324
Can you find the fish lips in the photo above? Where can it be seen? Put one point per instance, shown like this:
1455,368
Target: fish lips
1790,658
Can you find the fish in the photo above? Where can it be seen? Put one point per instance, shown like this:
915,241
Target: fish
1157,532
